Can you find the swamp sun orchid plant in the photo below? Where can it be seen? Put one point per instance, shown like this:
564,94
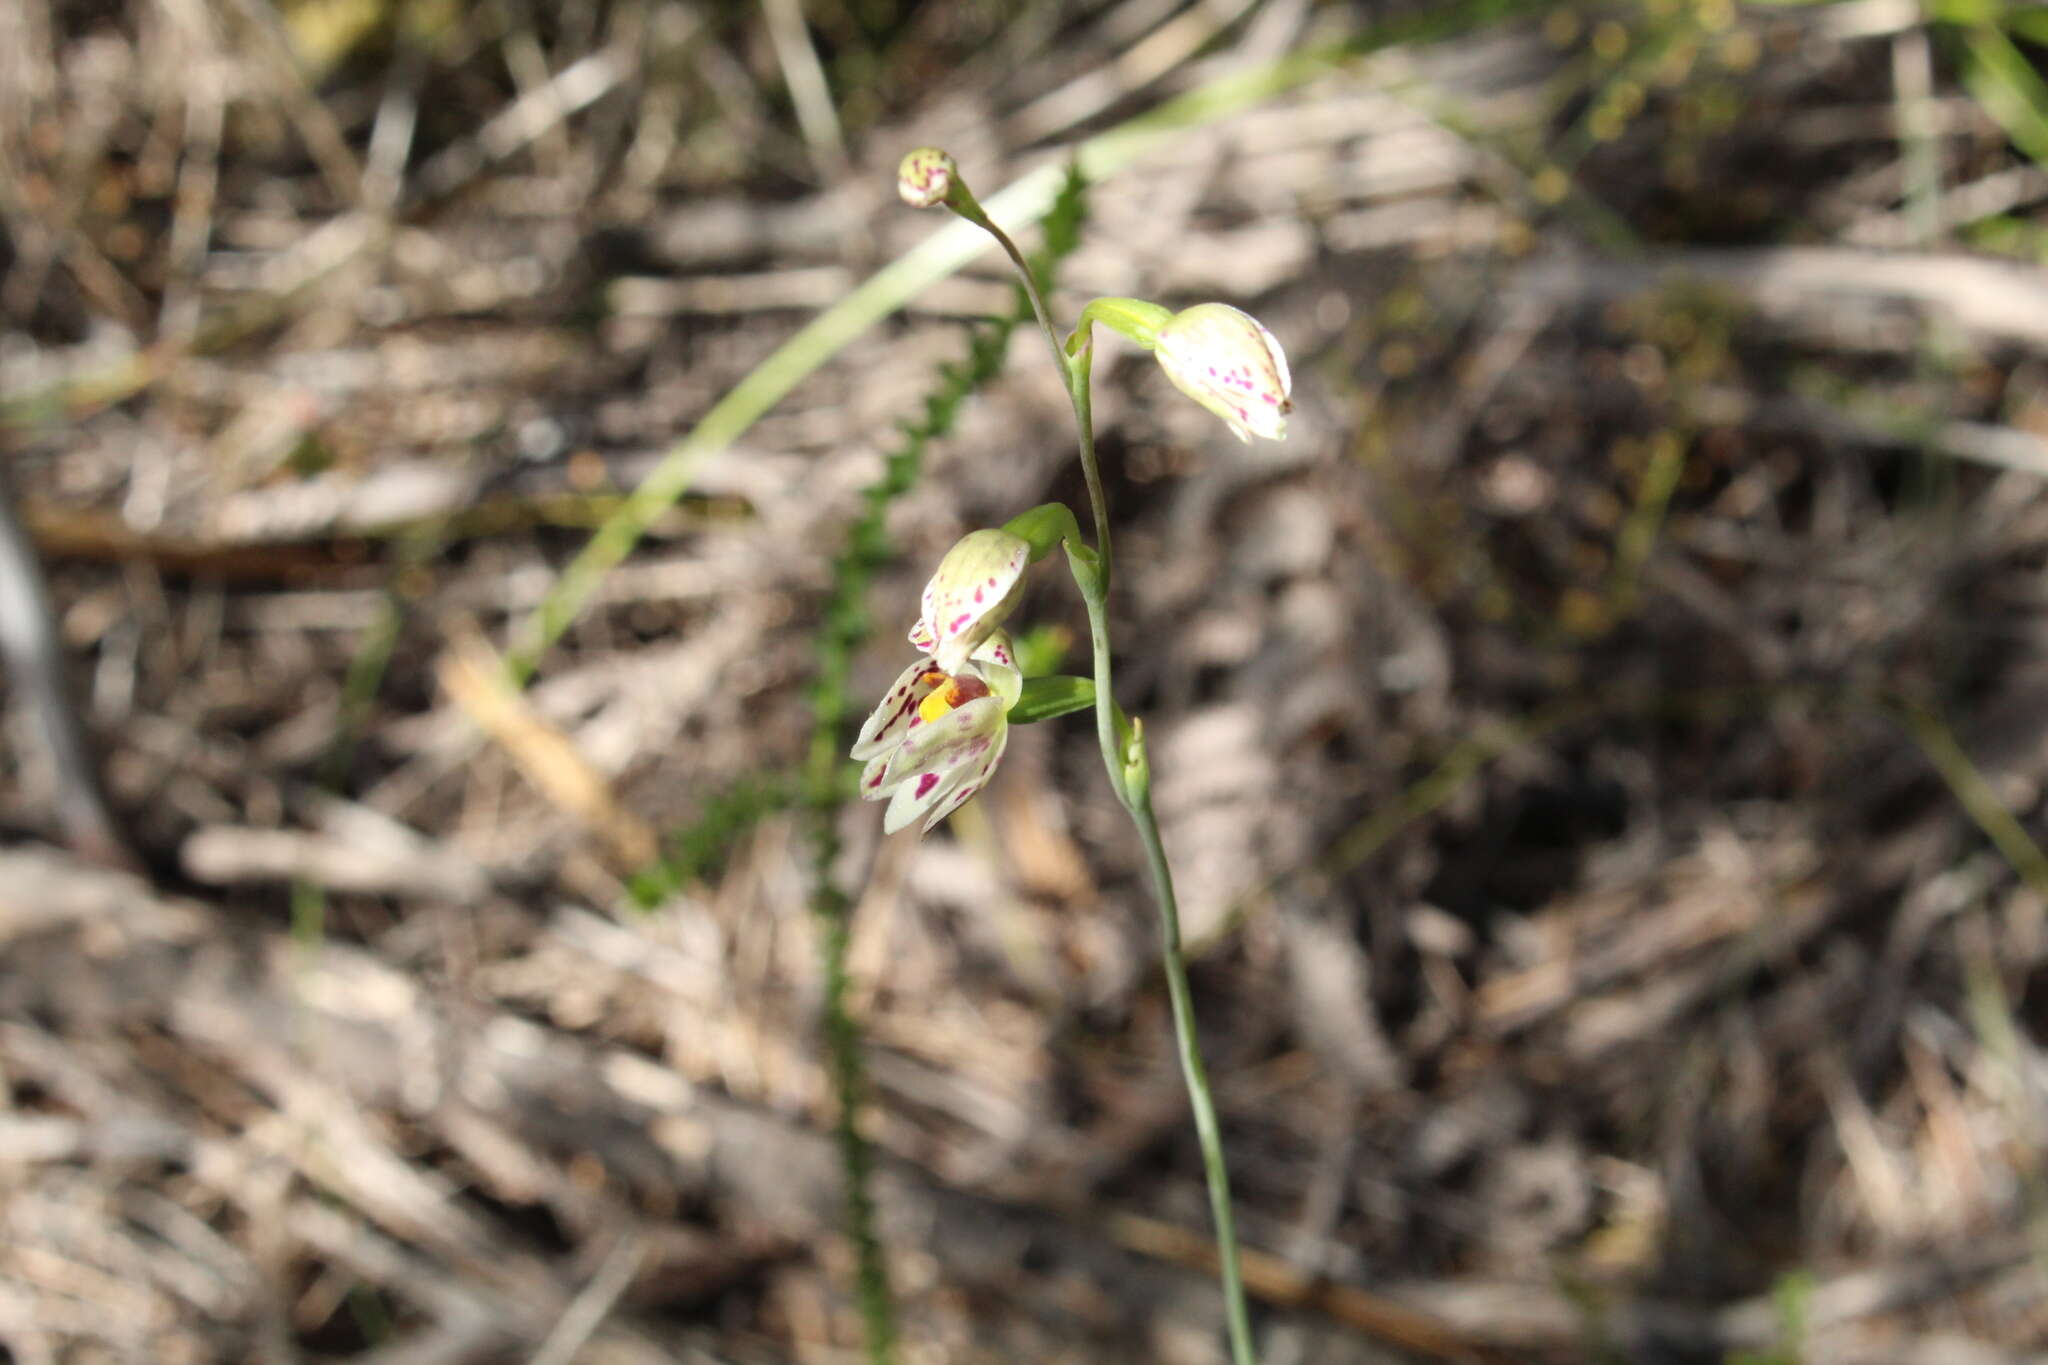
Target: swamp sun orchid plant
936,736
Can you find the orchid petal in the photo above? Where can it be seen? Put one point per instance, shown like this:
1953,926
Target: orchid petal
885,727
950,762
958,736
967,789
995,659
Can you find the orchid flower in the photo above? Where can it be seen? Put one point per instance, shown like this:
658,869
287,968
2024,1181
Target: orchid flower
939,731
1225,360
937,735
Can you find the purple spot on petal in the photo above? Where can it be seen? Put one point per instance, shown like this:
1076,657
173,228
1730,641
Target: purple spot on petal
962,619
926,783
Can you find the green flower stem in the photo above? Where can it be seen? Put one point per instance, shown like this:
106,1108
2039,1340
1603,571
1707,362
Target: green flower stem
1136,319
961,201
1094,585
1077,368
1138,802
1136,798
1129,778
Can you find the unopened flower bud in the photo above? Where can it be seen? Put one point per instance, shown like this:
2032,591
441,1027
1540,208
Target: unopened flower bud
1223,359
926,177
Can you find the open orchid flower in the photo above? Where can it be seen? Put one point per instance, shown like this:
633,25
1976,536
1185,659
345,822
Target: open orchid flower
1225,360
937,735
971,592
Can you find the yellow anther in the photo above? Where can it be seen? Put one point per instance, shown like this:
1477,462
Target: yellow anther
948,694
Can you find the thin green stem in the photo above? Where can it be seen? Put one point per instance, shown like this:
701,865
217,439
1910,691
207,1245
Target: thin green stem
1095,593
1079,368
1075,369
1207,1132
1136,798
964,204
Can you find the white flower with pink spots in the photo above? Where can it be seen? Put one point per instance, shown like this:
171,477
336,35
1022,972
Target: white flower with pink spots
938,734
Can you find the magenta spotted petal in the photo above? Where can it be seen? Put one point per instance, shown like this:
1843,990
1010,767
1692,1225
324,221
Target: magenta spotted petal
943,763
886,727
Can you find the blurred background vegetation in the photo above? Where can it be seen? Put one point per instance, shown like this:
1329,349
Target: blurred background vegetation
1603,748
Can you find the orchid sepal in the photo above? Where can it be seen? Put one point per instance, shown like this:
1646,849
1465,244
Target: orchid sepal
972,590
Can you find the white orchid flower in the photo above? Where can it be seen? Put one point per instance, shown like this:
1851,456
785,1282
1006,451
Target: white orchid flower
938,734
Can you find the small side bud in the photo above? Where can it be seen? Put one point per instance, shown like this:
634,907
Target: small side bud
1223,359
926,177
1137,764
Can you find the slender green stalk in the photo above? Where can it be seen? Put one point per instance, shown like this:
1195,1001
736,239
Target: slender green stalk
1136,797
1079,369
1094,580
1123,758
1207,1131
968,208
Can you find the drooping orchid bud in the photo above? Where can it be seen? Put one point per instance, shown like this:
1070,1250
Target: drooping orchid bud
1225,360
936,737
970,593
925,177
